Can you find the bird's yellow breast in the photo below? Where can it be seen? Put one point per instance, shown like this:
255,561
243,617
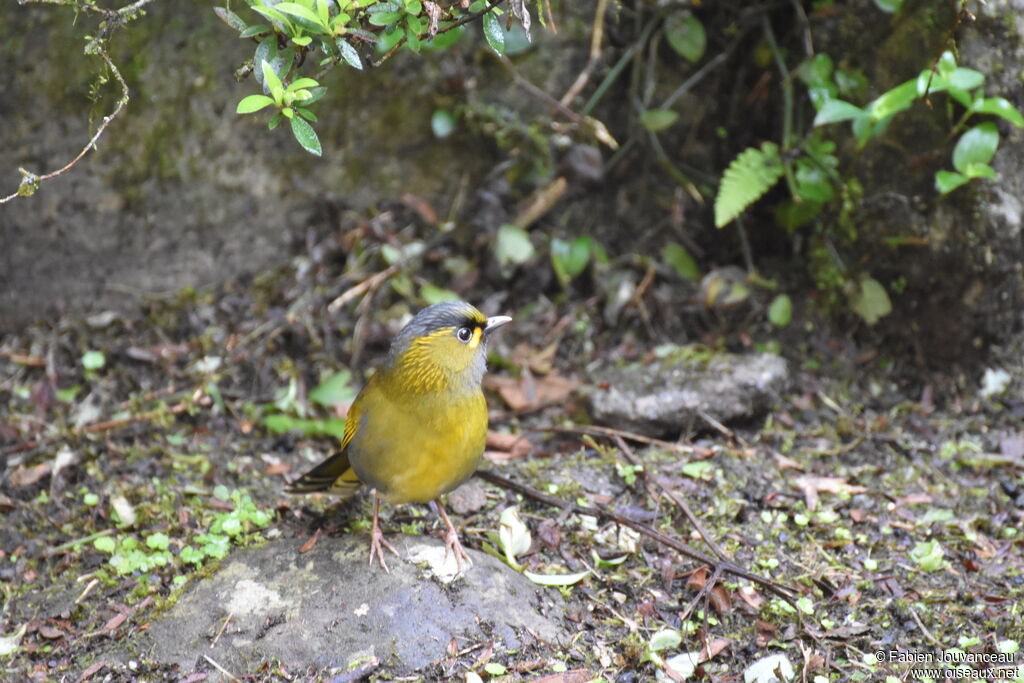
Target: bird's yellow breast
414,447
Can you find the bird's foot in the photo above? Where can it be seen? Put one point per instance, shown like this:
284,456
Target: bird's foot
377,538
377,545
453,546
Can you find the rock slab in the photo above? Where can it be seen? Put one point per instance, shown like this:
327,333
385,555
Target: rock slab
674,394
328,608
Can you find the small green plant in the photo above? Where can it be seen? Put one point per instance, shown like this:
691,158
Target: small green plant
321,34
287,413
811,166
129,554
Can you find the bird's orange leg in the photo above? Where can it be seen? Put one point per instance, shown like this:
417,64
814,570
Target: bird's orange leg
451,538
377,538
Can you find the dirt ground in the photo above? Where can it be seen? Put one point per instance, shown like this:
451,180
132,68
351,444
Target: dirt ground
141,447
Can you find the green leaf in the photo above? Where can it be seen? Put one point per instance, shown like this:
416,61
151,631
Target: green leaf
686,35
302,41
442,123
306,136
556,579
947,181
336,389
306,114
255,30
834,111
301,83
158,541
569,259
813,183
349,54
780,312
273,83
748,177
698,469
871,301
105,544
999,106
230,18
433,294
493,32
890,6
655,120
513,246
93,360
253,103
299,11
979,170
274,121
894,101
495,669
680,259
412,39
966,79
976,146
385,18
928,556
790,214
665,639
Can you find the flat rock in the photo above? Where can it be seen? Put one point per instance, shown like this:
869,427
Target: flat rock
328,608
670,395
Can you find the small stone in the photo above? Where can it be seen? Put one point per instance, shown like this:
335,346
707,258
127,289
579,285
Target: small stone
673,394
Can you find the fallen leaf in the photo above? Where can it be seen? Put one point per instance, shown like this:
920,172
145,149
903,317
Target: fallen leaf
26,476
914,499
311,543
713,648
784,463
468,498
92,669
750,596
516,445
277,468
530,393
50,632
421,206
811,485
574,676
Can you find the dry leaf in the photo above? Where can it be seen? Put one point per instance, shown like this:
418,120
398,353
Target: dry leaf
530,393
784,463
26,476
811,485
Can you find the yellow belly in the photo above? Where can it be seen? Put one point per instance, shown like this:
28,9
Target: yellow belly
421,449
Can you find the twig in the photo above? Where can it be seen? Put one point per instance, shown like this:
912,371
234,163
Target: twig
784,592
97,427
30,182
369,284
221,669
653,482
537,92
598,430
114,19
223,626
596,38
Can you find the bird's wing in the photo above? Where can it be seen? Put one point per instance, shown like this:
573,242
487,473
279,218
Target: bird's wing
334,474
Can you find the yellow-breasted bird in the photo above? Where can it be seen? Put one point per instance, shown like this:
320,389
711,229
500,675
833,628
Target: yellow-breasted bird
418,427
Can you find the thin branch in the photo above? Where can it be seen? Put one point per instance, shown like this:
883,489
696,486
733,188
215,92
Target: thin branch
598,430
654,482
784,592
596,39
113,19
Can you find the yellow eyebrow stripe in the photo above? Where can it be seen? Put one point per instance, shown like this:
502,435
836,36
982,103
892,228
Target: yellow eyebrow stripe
478,334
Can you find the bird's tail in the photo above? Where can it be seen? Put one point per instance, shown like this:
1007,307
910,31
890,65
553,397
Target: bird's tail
334,475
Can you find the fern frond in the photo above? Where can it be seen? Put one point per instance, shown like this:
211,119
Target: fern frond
747,178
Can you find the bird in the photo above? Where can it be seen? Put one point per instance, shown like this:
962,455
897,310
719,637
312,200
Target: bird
418,427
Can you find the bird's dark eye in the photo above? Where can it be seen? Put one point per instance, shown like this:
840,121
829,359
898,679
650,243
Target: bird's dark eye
464,334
